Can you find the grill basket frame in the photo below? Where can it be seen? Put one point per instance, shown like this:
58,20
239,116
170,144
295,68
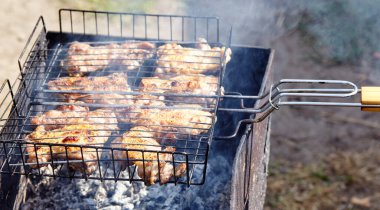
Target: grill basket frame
36,59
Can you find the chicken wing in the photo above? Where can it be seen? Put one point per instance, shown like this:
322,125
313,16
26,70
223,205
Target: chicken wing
155,163
83,58
92,129
173,58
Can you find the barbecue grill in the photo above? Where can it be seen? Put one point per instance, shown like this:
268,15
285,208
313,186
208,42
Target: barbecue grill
239,111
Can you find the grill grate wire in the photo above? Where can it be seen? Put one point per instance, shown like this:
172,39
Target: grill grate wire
43,60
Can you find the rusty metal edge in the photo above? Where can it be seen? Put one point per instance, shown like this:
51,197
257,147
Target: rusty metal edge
261,148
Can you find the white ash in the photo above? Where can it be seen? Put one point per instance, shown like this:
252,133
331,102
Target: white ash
63,193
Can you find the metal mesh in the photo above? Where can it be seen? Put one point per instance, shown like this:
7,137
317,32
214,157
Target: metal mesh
149,83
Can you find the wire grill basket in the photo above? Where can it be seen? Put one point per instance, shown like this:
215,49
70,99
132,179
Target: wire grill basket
113,59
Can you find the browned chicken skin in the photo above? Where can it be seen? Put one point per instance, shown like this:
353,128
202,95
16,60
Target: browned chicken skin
173,58
92,128
62,116
194,84
183,119
183,84
139,101
113,82
74,114
151,169
83,58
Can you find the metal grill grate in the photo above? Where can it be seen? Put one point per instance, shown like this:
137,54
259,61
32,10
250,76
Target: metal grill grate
183,146
139,26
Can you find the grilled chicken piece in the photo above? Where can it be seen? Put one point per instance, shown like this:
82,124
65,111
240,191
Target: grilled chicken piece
194,84
173,58
182,119
151,169
83,58
67,114
183,84
139,101
74,114
93,129
113,82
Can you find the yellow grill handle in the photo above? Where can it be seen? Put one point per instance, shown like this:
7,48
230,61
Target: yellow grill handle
370,96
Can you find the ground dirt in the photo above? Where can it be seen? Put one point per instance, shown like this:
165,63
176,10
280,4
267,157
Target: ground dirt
322,143
17,21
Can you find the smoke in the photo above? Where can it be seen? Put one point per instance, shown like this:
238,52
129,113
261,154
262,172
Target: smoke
339,30
342,31
255,23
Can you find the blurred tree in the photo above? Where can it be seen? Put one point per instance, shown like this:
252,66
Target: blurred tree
342,31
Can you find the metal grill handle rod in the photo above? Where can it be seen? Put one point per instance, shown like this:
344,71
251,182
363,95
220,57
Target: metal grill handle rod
276,97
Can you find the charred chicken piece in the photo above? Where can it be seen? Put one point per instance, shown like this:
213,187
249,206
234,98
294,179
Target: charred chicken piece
83,58
173,58
155,163
92,129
